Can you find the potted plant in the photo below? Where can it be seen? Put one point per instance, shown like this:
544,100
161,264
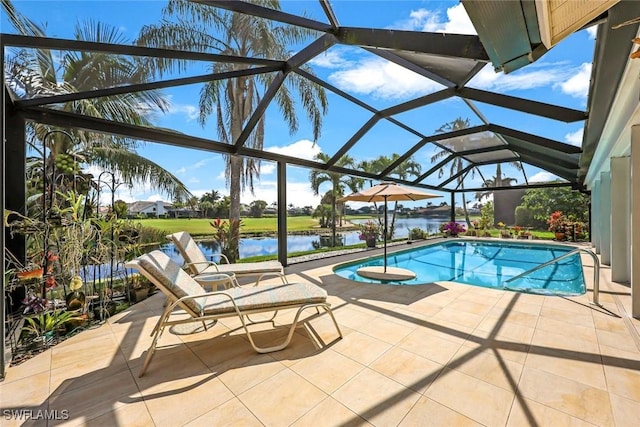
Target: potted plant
75,299
369,232
45,325
453,229
139,288
557,225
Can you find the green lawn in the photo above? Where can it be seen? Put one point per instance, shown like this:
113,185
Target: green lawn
201,226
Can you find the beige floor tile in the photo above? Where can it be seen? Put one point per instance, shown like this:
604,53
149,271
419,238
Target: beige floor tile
621,340
469,306
514,301
407,368
169,362
92,368
177,402
583,368
511,350
612,356
456,317
484,403
330,412
423,307
77,352
131,415
98,397
446,330
625,412
30,392
487,365
36,365
512,332
566,328
623,382
230,413
526,412
361,347
282,399
572,397
510,316
609,323
550,340
253,371
432,347
327,370
427,412
385,330
353,318
376,398
581,317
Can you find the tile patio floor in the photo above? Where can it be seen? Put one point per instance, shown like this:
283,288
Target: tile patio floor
442,354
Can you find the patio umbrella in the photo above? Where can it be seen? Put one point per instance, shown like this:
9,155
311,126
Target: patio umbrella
387,192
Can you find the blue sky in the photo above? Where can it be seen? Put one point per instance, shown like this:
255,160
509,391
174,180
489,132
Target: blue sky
559,77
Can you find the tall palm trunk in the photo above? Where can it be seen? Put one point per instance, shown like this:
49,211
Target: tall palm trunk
333,214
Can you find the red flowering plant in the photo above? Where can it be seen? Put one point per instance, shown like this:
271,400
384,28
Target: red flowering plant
557,222
227,234
369,231
453,228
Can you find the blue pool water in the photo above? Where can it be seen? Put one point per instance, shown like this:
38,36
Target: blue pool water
484,263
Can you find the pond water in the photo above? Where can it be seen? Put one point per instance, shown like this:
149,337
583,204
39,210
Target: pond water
256,246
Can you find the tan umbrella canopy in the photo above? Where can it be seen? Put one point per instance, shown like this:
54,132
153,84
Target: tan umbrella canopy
387,192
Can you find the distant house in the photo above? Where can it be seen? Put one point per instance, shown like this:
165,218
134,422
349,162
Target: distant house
149,209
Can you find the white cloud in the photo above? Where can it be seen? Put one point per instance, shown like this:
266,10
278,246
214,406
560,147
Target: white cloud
578,85
332,58
531,77
575,138
298,194
456,22
543,177
192,112
383,79
303,149
592,31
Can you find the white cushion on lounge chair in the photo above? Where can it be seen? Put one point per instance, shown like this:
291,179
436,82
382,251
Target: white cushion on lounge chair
198,263
183,291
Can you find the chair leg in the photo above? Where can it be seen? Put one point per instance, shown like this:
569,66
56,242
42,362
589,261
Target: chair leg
292,329
157,330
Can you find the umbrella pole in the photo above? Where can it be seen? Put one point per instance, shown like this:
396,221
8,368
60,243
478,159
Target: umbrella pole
385,234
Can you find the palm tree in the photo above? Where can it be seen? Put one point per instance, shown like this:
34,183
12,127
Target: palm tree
407,168
375,166
495,182
338,182
456,165
197,27
33,73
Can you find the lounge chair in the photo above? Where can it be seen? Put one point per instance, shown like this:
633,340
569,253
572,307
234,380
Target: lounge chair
184,292
198,264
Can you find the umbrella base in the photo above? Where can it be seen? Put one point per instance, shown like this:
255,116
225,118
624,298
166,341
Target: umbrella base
392,273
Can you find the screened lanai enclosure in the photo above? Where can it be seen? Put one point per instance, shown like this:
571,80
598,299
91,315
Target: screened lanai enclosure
464,105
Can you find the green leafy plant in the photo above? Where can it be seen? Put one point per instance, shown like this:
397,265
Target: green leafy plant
49,321
227,234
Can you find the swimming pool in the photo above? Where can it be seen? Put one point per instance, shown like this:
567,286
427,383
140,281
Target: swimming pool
483,263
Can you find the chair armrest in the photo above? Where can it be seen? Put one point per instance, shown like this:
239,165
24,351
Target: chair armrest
282,276
223,257
206,263
205,295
